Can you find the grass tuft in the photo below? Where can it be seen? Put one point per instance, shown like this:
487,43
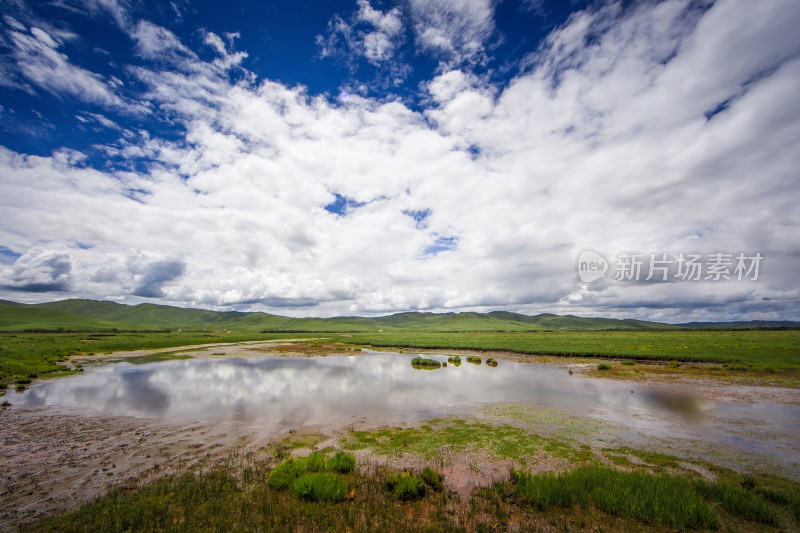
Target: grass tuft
321,488
474,359
341,463
406,486
423,362
432,478
603,366
282,475
491,362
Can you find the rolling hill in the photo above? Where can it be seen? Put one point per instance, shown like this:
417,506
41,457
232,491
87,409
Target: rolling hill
102,315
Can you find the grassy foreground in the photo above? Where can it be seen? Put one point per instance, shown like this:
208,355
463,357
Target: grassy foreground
308,495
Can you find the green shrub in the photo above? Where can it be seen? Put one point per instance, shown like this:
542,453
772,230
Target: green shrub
474,359
23,381
604,366
406,486
320,488
491,361
421,361
341,462
432,478
455,359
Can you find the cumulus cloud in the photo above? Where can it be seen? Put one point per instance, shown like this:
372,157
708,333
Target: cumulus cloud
39,270
613,137
153,276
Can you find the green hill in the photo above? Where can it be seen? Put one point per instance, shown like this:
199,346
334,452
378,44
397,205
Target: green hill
20,317
101,315
98,315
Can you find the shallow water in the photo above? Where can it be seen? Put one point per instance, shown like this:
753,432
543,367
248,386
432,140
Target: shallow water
337,390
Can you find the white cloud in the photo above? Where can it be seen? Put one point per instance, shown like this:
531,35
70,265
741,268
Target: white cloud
371,34
456,31
156,42
39,61
39,270
606,145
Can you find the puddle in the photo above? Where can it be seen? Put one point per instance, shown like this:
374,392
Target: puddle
380,386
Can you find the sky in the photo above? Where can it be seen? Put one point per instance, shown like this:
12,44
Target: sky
324,158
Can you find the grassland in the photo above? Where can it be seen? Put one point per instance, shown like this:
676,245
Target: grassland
755,349
28,355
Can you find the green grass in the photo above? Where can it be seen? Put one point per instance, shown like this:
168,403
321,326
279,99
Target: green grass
322,488
341,463
22,354
285,474
491,362
406,486
750,349
474,359
589,498
652,499
423,362
217,501
603,366
432,478
431,440
751,352
454,359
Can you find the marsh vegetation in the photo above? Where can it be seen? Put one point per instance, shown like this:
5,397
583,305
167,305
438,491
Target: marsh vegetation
424,363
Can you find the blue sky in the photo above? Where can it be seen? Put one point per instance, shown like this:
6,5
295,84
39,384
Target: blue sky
365,157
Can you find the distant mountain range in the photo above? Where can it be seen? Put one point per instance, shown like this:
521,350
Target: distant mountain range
92,315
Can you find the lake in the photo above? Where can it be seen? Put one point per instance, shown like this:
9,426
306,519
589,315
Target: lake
335,390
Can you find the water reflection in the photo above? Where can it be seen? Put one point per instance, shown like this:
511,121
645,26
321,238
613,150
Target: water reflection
324,390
